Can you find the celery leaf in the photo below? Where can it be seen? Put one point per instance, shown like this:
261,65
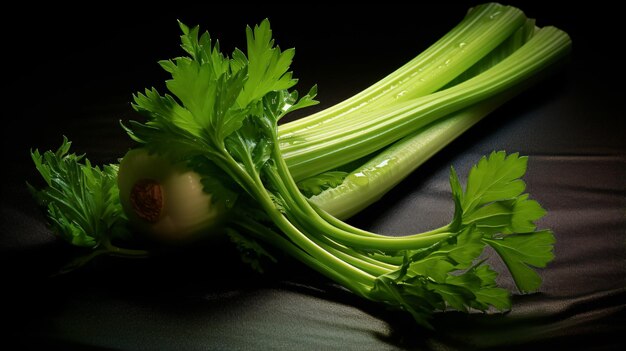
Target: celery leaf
82,200
521,252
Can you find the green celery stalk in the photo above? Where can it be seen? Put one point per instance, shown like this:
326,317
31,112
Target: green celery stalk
371,180
377,129
483,29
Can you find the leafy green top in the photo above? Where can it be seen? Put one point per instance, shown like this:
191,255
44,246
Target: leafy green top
494,202
491,211
223,108
216,93
82,200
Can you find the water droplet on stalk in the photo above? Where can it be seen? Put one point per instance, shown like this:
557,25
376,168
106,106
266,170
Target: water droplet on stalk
360,179
400,94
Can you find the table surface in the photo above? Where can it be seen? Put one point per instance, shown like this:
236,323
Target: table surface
74,76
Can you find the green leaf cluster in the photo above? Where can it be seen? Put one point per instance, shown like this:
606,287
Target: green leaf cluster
82,201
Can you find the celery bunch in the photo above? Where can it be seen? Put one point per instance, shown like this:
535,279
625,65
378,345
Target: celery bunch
217,132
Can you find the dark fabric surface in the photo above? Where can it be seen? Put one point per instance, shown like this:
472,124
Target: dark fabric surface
74,75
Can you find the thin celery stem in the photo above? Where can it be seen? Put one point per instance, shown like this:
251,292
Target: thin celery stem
348,254
368,266
347,227
123,252
255,187
269,236
373,241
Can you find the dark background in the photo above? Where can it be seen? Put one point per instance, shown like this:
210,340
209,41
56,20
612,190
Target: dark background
71,71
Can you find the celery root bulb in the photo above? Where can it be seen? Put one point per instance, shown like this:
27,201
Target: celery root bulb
165,200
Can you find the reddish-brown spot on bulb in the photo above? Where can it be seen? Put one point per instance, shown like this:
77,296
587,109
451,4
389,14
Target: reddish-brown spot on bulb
146,198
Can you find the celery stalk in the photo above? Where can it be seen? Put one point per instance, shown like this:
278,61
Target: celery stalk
379,128
369,182
483,28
